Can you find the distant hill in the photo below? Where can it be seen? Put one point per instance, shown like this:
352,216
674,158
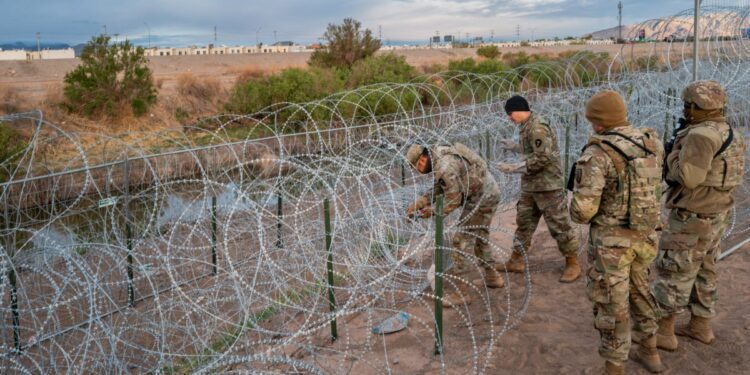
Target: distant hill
32,46
715,25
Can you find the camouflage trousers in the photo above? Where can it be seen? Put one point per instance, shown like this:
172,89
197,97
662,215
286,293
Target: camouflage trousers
687,262
617,285
473,230
553,205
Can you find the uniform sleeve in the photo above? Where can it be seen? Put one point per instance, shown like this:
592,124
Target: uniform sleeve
542,148
447,182
590,178
690,166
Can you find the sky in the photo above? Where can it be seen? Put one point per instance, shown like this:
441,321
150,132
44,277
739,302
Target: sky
186,22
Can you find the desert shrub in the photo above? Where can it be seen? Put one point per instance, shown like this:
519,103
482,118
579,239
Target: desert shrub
291,85
206,88
111,77
380,69
490,52
347,44
11,145
491,67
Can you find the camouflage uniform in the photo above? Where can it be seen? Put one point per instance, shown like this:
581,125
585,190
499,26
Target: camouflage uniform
461,176
542,191
702,178
618,255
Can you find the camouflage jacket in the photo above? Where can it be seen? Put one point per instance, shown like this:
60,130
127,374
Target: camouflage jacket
538,143
702,181
599,196
459,174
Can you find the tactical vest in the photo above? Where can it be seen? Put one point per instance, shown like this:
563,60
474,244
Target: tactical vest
635,201
476,167
728,164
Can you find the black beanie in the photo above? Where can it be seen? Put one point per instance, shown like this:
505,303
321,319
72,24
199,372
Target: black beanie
516,104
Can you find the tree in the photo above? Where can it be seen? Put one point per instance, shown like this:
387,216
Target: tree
111,77
489,51
346,45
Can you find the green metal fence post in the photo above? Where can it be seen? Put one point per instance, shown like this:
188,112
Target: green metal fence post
439,275
129,234
279,219
329,267
214,269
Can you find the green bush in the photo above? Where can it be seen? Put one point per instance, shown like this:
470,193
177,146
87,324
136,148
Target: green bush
11,145
466,65
347,44
111,77
388,68
490,52
291,85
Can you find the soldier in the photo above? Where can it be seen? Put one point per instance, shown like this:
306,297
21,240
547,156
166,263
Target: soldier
616,191
462,177
703,168
542,191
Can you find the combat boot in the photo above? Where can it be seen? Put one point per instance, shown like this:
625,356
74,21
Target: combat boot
492,279
572,270
648,356
454,299
514,264
613,368
665,337
699,329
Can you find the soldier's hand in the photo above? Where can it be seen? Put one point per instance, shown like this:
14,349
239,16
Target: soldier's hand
507,144
410,210
505,167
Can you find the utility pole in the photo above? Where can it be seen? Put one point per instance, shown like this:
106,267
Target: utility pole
492,36
275,40
518,33
149,34
215,36
695,38
619,22
257,41
105,28
380,33
39,43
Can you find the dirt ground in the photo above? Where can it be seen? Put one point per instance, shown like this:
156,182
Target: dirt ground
556,334
34,80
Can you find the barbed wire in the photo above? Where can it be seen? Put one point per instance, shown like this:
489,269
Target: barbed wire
210,255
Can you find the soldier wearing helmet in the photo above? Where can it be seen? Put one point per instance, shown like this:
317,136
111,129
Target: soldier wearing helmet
461,176
703,169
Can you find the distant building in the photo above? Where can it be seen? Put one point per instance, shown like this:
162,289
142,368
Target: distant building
45,54
448,39
14,54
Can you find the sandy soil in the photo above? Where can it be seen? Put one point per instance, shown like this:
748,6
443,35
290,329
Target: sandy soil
556,335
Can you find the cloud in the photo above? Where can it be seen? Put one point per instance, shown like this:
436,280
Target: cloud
239,21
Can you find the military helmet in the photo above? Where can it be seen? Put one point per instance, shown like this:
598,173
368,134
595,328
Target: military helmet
705,95
412,155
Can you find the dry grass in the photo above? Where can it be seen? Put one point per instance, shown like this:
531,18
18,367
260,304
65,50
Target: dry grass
11,100
204,89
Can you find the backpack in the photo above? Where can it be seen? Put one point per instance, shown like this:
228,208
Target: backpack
638,166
